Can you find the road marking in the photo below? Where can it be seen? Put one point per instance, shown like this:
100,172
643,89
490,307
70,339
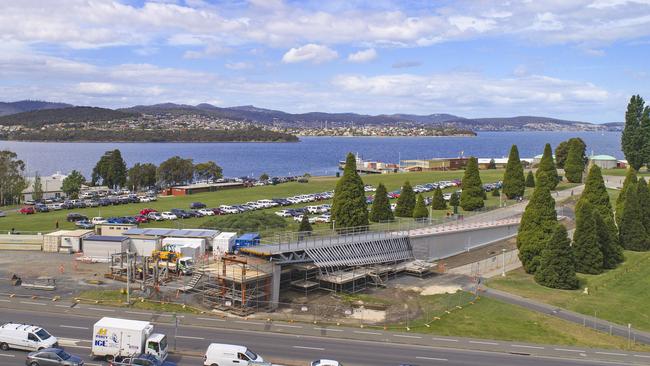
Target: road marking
568,350
431,358
371,333
72,327
62,306
188,337
32,303
287,326
406,336
611,353
5,300
172,315
247,322
5,355
329,329
311,348
137,313
98,309
481,342
445,339
92,364
524,346
213,319
642,356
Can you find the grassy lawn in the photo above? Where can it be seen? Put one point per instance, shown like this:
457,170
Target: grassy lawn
620,295
117,298
621,172
47,221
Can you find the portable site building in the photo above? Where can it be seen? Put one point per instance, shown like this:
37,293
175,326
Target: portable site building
224,243
100,247
247,240
66,241
188,247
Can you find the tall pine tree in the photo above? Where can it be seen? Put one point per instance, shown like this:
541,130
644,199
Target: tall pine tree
633,139
556,264
438,201
380,211
537,226
513,178
530,179
420,211
586,249
37,188
643,196
546,175
628,183
471,198
575,164
406,201
349,207
632,233
608,240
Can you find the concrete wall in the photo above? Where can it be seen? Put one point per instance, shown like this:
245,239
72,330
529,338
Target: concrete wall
21,242
446,244
490,267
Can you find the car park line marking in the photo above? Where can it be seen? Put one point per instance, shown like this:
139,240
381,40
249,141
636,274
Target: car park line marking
329,329
98,309
406,336
371,333
213,319
72,327
32,303
287,326
481,342
188,337
445,339
311,348
525,346
431,358
6,355
568,350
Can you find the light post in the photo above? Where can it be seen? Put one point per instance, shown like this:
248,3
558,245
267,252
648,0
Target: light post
503,271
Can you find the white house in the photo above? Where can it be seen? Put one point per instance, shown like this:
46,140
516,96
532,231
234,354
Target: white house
52,186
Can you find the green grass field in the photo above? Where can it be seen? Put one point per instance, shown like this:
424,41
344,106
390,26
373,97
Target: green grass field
620,295
622,172
46,221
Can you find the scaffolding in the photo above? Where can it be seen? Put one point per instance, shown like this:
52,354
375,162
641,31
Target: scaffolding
237,284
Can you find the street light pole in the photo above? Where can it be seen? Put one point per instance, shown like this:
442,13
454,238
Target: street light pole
503,271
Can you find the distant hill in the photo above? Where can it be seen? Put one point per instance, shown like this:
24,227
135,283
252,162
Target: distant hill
44,117
528,123
28,106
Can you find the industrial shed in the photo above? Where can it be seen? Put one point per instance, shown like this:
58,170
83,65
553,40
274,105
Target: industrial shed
66,241
603,161
100,247
159,233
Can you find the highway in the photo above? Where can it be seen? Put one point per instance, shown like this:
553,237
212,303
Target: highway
296,344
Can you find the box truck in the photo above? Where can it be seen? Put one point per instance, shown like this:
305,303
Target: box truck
115,338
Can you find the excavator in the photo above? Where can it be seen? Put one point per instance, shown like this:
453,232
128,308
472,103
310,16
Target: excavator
173,260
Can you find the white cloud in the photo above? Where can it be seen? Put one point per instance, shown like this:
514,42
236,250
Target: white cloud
238,65
363,56
313,53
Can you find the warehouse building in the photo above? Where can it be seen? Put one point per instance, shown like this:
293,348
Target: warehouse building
100,247
603,161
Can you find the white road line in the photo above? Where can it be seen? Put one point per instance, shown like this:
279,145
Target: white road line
92,364
62,306
287,326
171,315
371,333
98,309
445,339
72,327
5,355
247,322
329,329
32,303
188,337
568,350
642,356
611,353
5,300
406,336
311,348
431,358
213,319
137,313
481,342
525,346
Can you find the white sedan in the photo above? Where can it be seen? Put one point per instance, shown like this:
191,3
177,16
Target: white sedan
206,212
168,216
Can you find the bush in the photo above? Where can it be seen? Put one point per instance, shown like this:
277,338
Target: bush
248,221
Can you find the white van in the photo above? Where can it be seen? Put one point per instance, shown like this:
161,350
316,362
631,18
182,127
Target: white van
26,337
230,355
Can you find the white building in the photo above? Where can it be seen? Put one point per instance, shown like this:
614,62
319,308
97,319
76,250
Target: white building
52,187
603,161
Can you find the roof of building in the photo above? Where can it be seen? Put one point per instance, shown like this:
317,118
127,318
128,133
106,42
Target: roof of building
78,232
249,236
208,185
106,238
496,160
188,233
602,157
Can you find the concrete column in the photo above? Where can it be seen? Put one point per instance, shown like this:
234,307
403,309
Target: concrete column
275,286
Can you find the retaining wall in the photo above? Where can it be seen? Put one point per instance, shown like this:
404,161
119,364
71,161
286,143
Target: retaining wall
21,242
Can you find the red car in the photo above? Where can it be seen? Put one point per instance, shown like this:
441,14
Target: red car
141,219
147,211
27,210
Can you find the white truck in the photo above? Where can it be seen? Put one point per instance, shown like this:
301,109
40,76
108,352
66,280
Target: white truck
115,338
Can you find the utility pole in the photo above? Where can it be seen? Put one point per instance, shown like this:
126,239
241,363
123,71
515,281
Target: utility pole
128,278
503,271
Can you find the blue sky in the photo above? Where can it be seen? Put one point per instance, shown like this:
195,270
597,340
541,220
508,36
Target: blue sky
578,59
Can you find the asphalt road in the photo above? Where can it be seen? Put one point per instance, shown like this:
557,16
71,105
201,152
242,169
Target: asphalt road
296,344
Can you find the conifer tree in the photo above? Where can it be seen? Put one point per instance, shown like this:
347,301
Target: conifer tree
471,198
633,139
556,264
420,211
536,228
305,225
575,164
632,233
643,197
630,180
380,211
349,207
454,201
608,240
438,201
530,179
546,173
406,201
513,178
37,188
586,249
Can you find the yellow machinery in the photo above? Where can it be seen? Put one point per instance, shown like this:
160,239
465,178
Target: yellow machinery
167,254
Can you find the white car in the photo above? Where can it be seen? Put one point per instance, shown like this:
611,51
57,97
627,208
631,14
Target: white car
284,213
156,216
313,209
446,196
312,220
393,206
369,188
324,218
229,354
206,212
228,209
25,336
144,199
326,363
168,216
98,220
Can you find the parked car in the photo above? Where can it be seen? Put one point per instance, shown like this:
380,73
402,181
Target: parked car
181,214
84,224
98,220
206,212
26,337
74,217
147,211
141,219
228,354
27,210
156,216
197,205
53,356
168,216
324,218
284,213
142,360
41,207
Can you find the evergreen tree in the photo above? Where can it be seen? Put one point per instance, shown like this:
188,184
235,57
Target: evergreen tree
305,225
546,175
575,164
643,197
628,183
530,179
556,264
37,188
471,198
420,211
586,249
513,178
438,201
454,201
349,207
380,211
562,151
110,170
536,228
632,234
405,201
71,184
633,139
608,240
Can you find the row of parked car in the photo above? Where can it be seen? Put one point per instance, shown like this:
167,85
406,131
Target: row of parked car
323,212
60,204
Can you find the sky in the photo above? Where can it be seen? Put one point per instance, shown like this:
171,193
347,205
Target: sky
572,59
